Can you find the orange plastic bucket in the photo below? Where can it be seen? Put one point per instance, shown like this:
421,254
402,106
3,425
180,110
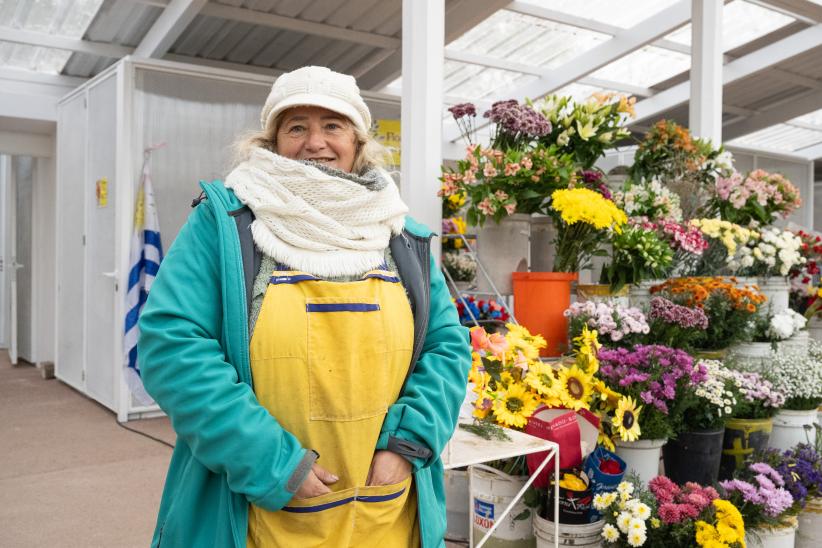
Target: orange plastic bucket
540,298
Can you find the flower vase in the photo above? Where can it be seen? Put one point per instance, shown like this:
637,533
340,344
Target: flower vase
741,438
810,524
777,290
601,293
781,537
540,300
640,293
641,457
502,249
793,427
694,456
752,356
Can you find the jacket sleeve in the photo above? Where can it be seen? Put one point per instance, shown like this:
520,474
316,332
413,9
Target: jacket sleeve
427,411
184,368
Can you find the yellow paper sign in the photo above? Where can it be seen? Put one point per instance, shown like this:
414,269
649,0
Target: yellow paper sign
102,192
388,134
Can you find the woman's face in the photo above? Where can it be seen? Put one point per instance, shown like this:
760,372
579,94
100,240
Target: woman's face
319,135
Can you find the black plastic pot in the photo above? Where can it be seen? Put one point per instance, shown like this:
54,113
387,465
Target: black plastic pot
742,438
693,456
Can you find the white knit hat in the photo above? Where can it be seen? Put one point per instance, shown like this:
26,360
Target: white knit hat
319,87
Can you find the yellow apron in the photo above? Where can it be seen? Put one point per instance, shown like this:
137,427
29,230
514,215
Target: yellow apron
327,360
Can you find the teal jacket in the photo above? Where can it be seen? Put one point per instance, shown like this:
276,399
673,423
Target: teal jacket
194,359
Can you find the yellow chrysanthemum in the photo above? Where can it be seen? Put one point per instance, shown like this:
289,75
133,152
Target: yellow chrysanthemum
574,388
514,406
626,419
730,525
587,206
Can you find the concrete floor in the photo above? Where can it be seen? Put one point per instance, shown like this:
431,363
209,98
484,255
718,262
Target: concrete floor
69,475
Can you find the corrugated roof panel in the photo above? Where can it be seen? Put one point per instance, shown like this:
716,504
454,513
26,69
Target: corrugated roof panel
741,22
525,39
814,117
645,67
781,137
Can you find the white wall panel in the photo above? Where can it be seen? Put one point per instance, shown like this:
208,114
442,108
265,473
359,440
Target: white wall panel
23,167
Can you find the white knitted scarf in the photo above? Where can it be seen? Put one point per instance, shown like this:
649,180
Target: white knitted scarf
314,221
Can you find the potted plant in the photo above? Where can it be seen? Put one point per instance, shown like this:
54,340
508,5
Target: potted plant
756,199
655,376
724,253
759,493
799,378
783,331
694,454
615,325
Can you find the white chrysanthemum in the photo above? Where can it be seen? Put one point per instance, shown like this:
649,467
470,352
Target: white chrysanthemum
610,533
599,502
625,487
623,521
642,511
637,538
637,524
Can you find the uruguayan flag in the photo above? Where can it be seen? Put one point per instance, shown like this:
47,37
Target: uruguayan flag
146,254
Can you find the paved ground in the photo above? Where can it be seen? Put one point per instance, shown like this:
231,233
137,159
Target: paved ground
69,475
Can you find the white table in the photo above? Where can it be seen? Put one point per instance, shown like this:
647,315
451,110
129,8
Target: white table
467,449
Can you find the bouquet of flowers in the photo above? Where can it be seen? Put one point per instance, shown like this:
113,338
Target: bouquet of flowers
726,242
460,266
586,129
637,254
685,240
804,278
722,528
779,326
729,309
480,309
799,378
801,470
755,396
711,403
515,173
582,217
656,376
756,199
675,325
616,325
688,166
759,493
629,514
649,200
453,204
452,228
774,253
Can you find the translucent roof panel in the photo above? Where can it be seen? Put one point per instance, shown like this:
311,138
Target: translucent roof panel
620,14
645,67
814,117
475,82
786,137
67,18
529,40
742,22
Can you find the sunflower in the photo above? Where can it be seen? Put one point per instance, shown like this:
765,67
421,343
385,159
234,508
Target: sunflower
626,419
574,388
541,378
609,399
514,406
606,442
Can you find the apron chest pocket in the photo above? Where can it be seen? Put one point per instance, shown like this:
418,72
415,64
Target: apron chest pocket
349,367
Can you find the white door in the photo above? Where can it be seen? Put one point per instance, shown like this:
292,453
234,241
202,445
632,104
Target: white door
11,233
101,277
71,215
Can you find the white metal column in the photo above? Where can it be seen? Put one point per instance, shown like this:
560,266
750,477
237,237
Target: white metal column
705,109
423,40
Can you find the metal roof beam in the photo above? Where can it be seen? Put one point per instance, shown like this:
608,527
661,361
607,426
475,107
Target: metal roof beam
41,78
527,8
737,69
294,24
787,110
623,43
804,10
46,40
168,27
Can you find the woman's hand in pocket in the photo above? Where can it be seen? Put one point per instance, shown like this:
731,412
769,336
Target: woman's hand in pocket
316,483
387,468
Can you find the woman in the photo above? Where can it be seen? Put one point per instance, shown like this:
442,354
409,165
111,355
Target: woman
312,409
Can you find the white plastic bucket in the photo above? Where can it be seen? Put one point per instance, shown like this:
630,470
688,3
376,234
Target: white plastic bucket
777,290
457,502
641,457
589,534
640,294
815,329
798,344
789,429
503,248
752,356
491,493
784,537
809,533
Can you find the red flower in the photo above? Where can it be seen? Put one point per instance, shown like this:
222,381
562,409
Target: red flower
609,466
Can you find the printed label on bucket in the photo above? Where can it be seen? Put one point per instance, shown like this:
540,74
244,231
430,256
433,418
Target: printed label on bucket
483,514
